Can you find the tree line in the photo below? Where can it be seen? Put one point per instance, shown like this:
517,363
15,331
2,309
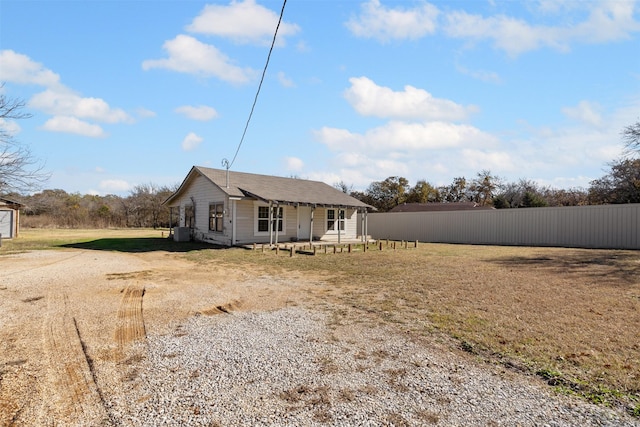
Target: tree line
56,208
621,184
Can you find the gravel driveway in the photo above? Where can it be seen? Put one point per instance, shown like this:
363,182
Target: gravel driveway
104,338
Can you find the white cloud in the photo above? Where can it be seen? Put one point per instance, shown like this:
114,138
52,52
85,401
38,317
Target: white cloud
64,102
19,68
70,111
586,112
201,112
482,75
188,55
284,80
293,164
564,23
607,21
68,124
144,113
191,141
477,160
407,138
10,127
114,186
512,35
369,99
243,22
384,24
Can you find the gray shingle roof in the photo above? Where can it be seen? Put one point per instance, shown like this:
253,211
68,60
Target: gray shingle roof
275,189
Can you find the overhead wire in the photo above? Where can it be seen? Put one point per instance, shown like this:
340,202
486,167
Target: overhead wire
255,100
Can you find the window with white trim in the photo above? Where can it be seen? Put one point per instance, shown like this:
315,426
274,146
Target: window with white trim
262,219
216,217
335,219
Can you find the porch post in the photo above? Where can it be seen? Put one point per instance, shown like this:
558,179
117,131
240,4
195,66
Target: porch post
232,206
277,221
339,227
313,208
366,225
170,220
270,224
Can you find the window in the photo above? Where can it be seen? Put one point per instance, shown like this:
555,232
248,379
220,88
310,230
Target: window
263,219
189,216
335,216
216,217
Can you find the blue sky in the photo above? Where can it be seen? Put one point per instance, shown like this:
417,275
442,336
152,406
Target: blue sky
135,92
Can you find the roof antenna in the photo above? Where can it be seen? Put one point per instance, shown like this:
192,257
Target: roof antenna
226,165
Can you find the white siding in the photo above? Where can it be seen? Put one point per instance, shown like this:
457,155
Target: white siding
608,226
244,222
203,193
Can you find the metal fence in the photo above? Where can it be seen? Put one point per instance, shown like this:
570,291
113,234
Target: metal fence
606,226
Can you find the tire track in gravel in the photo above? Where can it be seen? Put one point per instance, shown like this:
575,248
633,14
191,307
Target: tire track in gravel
74,394
130,323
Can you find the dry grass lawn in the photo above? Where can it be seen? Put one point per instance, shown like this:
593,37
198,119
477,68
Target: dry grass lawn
571,316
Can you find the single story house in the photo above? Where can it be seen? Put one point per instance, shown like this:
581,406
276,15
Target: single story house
9,218
233,208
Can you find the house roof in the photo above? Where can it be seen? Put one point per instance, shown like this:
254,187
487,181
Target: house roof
269,188
438,207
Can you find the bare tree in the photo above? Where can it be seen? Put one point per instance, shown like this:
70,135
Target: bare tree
344,187
631,138
484,187
20,171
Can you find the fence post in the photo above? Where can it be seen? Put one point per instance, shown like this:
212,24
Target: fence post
293,251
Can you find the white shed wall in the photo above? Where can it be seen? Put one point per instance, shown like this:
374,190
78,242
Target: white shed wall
7,223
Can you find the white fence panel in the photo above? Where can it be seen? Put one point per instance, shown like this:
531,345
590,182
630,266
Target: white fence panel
606,226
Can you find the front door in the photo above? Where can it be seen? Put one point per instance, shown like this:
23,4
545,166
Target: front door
304,222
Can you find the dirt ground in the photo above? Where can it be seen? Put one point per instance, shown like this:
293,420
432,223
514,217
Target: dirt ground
68,315
71,319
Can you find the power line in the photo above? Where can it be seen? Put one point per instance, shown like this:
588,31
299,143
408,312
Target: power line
225,162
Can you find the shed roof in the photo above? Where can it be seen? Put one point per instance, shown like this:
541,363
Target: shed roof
7,202
271,189
439,207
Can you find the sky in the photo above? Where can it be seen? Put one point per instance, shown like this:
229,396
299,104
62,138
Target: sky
132,92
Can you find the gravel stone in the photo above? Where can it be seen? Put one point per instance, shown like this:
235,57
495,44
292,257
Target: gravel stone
283,368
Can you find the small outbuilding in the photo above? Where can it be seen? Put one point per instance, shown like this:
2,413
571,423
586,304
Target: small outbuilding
439,207
233,208
9,218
